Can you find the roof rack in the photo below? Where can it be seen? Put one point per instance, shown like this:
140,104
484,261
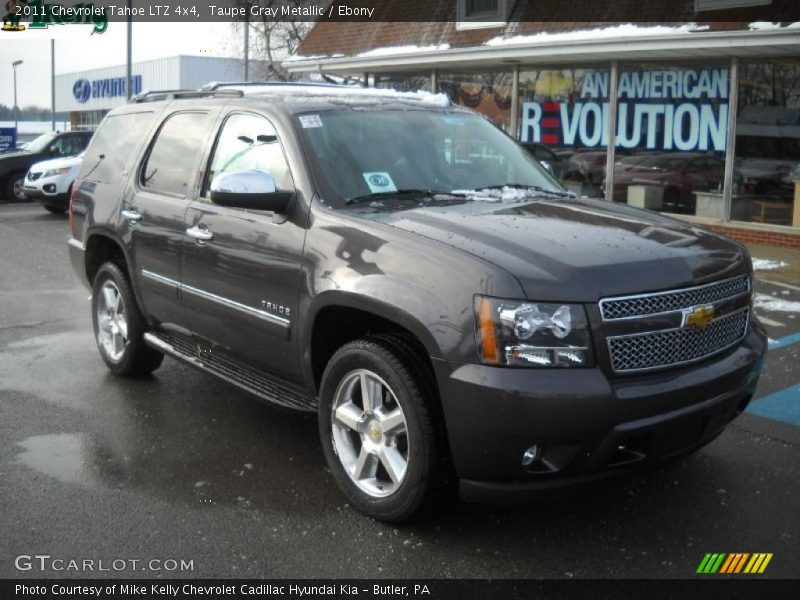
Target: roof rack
155,95
219,85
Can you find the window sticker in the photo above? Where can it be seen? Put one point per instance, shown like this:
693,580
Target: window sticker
379,181
308,121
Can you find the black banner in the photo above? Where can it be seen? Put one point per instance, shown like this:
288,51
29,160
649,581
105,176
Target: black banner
731,588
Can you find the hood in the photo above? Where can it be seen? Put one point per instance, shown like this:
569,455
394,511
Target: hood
577,250
56,163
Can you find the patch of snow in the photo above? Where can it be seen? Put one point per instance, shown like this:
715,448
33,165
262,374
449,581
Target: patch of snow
337,91
771,304
505,194
765,264
769,26
299,57
409,49
624,30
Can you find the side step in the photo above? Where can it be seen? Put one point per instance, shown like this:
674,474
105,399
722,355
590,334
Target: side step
266,387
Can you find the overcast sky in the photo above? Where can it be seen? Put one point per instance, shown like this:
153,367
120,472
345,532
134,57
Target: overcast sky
78,49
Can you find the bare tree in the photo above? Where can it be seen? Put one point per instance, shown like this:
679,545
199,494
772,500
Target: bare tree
272,41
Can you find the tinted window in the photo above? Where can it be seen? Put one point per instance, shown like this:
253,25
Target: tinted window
172,163
113,148
249,143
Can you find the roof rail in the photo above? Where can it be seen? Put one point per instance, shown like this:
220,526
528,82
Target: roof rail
155,95
219,85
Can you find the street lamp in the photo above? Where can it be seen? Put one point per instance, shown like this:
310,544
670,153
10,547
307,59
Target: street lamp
14,65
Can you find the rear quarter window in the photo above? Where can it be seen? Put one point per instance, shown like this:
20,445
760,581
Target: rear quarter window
114,147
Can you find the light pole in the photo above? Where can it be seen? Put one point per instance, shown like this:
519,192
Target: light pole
14,65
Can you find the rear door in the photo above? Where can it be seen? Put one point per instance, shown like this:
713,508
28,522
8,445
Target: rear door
153,212
241,268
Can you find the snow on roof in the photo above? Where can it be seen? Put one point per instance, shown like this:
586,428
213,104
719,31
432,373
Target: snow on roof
332,91
767,26
409,49
623,30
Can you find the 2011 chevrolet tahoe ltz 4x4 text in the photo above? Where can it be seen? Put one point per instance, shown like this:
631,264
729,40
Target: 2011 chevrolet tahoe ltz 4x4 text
407,270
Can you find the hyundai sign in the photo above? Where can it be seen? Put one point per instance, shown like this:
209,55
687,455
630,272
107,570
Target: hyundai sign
8,138
111,87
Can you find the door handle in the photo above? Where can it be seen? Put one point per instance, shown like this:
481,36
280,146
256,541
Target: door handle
200,234
132,215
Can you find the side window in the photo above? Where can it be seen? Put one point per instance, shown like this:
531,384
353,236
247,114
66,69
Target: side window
113,147
172,163
249,143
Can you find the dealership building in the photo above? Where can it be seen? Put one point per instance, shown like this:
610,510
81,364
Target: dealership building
88,95
705,121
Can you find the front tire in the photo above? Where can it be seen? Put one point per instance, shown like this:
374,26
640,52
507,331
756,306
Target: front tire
380,432
14,188
118,325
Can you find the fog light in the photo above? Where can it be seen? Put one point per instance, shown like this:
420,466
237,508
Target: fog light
531,456
50,188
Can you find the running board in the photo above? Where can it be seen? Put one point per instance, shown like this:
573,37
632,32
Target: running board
266,387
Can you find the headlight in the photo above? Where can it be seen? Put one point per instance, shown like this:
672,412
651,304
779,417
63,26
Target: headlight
532,334
54,172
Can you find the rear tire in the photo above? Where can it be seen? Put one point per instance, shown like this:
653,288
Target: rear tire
119,327
385,449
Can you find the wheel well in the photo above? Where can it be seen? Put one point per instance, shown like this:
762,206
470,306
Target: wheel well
335,326
101,249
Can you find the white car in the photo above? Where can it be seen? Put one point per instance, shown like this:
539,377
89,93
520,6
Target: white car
50,182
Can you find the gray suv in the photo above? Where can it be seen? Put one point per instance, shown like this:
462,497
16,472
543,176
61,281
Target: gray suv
399,265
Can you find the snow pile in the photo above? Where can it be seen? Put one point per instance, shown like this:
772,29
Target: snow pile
773,304
505,194
768,26
764,264
625,30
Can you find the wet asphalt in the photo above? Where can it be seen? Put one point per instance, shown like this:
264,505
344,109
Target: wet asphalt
181,466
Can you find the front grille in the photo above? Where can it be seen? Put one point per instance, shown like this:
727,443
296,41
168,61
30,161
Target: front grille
34,176
661,302
677,346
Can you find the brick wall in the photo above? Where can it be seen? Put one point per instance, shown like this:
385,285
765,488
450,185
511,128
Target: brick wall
758,236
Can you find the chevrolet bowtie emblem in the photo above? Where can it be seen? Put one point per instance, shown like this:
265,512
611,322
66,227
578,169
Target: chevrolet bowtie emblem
698,316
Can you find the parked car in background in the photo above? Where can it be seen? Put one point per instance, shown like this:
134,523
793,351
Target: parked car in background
15,165
50,182
680,175
556,164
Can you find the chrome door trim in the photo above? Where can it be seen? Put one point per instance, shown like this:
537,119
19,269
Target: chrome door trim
161,279
261,314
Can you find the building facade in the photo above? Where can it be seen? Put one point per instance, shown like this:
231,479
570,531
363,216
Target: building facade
704,122
88,95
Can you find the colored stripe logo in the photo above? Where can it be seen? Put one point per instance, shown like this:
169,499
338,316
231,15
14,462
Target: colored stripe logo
734,563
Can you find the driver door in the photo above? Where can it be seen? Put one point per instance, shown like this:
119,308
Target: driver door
241,268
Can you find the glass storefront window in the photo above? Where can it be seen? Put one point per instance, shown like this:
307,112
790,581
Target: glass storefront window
766,185
404,82
488,93
672,125
563,117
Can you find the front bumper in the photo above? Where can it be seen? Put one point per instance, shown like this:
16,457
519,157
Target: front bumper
587,426
53,200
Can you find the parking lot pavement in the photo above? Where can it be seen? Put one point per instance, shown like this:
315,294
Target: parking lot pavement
182,466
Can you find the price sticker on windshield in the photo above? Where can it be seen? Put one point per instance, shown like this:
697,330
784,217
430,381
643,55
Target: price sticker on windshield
379,182
308,121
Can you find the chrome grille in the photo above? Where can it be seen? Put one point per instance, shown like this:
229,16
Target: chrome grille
675,346
661,302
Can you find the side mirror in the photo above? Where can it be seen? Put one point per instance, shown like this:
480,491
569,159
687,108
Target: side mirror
255,190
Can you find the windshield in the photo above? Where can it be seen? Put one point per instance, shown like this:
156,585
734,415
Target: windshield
361,154
40,143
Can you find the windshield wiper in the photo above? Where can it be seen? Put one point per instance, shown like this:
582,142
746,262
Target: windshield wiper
524,187
408,193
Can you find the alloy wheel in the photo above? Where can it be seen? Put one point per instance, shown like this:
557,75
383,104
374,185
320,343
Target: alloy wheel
112,321
370,433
